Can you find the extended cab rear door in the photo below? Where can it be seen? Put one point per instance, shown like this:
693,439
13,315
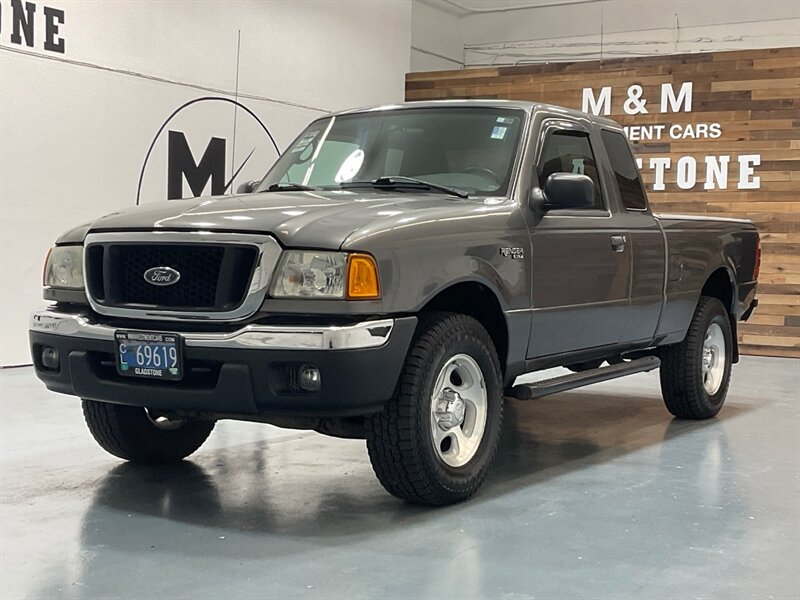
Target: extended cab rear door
581,263
645,240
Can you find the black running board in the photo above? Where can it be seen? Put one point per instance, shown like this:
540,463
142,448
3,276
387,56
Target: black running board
537,389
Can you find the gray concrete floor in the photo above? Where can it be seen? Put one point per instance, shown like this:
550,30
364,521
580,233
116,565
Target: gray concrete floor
596,494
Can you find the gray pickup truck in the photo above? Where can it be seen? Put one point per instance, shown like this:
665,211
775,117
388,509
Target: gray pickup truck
389,279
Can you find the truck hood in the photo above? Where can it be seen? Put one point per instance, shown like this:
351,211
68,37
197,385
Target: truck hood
301,219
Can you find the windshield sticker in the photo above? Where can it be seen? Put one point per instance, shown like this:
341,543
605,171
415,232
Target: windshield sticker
350,166
507,120
304,141
499,133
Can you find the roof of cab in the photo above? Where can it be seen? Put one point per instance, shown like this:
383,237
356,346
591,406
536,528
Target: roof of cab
529,107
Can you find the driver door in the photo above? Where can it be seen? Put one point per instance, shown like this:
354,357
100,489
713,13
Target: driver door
581,273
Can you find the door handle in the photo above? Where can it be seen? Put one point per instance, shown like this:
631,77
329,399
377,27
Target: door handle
618,242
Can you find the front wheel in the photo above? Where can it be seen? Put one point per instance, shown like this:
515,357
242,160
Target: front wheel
144,435
695,373
435,440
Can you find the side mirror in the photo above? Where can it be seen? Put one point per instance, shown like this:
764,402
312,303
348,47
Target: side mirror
568,190
248,187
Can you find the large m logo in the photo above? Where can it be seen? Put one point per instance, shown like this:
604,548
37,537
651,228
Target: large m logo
181,163
204,121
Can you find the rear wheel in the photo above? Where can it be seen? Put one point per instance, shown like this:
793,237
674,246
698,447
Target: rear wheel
435,440
695,374
144,435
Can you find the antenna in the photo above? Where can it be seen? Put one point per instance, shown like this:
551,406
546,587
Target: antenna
236,108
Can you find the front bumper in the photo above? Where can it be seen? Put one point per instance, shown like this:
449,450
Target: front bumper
245,372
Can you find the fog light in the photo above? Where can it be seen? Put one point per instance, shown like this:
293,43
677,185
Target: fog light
50,358
310,378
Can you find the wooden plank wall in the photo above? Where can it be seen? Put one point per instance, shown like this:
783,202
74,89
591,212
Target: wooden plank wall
751,94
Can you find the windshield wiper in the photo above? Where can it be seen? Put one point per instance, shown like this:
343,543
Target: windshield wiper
389,181
290,187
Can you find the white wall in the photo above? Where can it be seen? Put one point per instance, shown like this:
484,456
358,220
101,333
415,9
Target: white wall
498,32
437,39
75,127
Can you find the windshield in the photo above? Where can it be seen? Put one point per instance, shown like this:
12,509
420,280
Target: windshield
466,148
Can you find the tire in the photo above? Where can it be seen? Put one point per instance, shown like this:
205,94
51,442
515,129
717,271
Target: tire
693,381
439,458
131,433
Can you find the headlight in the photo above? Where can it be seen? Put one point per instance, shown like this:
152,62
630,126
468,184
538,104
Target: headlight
336,275
64,268
310,275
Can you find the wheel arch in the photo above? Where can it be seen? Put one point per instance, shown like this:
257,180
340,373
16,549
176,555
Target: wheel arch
720,284
478,300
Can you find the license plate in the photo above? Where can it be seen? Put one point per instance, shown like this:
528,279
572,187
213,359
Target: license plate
149,354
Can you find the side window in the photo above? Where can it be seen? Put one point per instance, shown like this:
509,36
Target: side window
569,152
629,181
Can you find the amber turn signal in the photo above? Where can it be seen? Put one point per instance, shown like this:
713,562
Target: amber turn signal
362,278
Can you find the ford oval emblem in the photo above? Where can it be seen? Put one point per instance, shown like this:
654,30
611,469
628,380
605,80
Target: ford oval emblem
161,276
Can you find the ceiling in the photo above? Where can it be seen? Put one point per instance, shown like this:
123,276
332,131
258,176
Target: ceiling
471,7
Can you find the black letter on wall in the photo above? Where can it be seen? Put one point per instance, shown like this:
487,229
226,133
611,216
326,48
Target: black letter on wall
22,20
180,163
53,17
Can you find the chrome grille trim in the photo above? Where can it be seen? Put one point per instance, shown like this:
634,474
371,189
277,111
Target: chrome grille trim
268,254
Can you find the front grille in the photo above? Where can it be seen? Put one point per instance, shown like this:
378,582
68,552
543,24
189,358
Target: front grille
213,277
199,268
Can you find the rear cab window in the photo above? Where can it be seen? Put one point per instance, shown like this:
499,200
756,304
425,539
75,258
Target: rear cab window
626,174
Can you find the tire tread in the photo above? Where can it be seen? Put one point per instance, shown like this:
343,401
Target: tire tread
681,383
391,435
126,432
